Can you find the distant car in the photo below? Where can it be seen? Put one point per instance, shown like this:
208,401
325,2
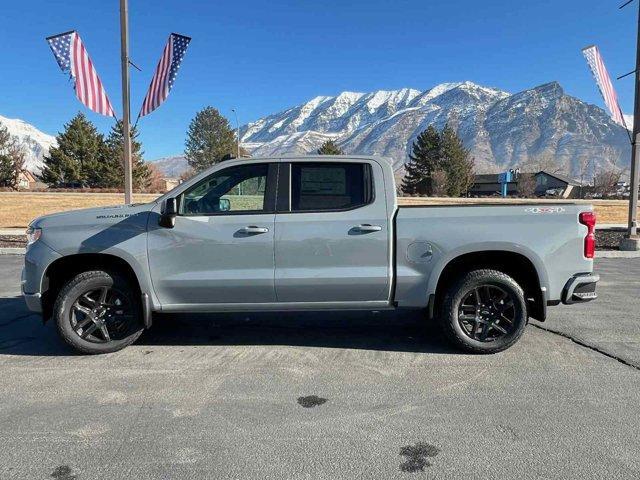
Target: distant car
301,233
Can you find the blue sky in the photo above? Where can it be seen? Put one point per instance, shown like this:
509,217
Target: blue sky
263,56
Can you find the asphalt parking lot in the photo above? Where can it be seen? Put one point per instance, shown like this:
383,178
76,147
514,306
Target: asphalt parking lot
334,395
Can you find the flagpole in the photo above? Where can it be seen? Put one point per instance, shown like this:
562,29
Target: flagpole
632,241
126,128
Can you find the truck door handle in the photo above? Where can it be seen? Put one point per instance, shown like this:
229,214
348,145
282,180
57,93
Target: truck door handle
252,229
365,227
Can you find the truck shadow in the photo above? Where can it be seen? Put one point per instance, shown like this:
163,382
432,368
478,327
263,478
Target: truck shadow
388,331
23,334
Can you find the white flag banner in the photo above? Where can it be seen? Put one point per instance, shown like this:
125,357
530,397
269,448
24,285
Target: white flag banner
599,71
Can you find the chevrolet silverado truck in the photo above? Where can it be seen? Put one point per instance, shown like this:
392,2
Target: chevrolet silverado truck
300,233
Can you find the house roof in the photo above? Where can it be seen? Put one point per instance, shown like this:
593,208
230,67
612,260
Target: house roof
486,178
489,178
560,177
29,177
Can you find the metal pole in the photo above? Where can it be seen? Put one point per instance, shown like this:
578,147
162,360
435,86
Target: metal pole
126,127
635,152
237,131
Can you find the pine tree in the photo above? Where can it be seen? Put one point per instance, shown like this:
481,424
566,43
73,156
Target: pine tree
11,159
456,163
209,139
330,148
77,158
7,172
423,162
112,169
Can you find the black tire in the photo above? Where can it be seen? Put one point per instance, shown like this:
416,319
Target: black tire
120,313
470,304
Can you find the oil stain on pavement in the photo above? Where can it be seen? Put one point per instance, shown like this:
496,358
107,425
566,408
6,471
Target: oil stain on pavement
311,401
63,472
417,456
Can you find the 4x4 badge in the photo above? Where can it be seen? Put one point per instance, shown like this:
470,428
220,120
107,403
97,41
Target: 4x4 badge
544,210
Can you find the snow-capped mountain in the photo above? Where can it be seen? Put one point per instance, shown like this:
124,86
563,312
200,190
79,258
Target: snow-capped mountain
502,130
35,143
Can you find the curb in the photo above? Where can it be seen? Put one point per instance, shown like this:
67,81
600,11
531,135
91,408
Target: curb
13,231
611,226
12,251
617,254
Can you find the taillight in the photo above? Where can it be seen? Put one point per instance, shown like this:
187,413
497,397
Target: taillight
589,220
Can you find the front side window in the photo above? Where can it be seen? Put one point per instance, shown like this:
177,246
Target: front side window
329,186
235,189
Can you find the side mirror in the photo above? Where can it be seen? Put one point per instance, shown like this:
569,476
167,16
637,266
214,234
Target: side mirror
224,205
169,213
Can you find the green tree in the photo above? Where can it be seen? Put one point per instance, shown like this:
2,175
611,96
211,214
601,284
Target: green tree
424,160
78,156
112,168
209,139
456,162
11,159
330,148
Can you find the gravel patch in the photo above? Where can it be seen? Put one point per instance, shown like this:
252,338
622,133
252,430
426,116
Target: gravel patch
609,239
13,241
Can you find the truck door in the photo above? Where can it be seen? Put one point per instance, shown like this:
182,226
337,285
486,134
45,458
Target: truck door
221,248
332,233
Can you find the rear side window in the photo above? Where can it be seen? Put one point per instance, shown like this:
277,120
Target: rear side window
330,186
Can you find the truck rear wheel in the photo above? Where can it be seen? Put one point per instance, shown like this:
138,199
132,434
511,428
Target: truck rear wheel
97,312
485,311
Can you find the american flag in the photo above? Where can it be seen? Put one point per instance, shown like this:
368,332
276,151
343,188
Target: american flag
73,59
165,75
599,71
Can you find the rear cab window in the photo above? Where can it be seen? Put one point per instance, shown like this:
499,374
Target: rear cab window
330,186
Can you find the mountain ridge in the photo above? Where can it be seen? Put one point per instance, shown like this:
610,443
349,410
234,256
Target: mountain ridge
501,129
35,142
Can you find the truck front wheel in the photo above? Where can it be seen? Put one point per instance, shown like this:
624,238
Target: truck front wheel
97,312
484,311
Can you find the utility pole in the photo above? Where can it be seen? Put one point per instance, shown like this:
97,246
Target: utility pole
632,241
237,131
126,127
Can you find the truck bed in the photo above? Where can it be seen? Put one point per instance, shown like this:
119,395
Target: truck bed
427,237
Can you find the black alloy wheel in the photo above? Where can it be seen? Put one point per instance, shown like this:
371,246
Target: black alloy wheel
483,311
99,312
101,315
486,313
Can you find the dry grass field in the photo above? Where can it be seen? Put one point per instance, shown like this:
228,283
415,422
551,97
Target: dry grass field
17,209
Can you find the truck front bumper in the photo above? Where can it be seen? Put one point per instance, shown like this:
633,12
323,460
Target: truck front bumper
33,282
581,288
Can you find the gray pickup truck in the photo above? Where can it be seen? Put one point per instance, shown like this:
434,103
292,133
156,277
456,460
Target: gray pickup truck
306,233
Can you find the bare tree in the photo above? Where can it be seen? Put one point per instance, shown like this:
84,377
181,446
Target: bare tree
527,185
609,174
156,179
604,182
583,165
12,158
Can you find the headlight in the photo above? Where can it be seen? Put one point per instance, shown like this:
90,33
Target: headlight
33,234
